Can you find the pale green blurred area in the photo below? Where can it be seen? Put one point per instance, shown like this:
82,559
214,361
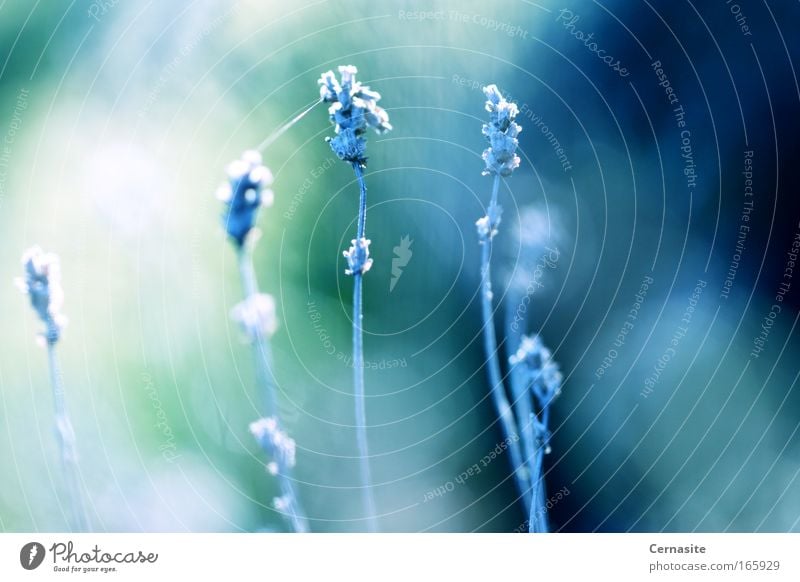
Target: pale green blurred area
129,124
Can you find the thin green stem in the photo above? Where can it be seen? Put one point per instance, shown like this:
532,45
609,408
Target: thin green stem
501,403
266,382
358,364
66,440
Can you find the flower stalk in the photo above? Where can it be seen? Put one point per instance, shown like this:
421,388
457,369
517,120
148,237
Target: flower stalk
501,160
542,379
353,111
244,194
42,284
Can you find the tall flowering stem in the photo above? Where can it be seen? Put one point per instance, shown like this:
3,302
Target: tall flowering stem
247,191
542,378
42,284
353,111
501,160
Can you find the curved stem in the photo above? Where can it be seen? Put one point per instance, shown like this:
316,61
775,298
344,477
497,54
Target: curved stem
358,365
263,355
66,441
493,362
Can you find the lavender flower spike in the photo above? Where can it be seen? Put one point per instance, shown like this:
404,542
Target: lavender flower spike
541,374
276,443
537,363
354,109
246,191
501,131
42,284
273,439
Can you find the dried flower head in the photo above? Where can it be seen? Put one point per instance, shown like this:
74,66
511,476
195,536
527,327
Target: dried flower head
256,316
501,132
42,284
275,442
246,191
541,370
354,109
357,256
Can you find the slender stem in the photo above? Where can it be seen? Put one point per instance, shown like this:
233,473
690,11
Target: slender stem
362,200
261,347
358,364
523,409
493,363
266,382
66,441
537,522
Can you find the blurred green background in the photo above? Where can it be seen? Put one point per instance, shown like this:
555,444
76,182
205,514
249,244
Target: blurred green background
119,119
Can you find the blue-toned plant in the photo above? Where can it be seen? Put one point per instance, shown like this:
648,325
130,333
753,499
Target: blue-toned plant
541,379
534,377
354,109
42,284
501,160
248,190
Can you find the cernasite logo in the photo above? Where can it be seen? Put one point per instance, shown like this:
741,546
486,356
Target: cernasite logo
31,555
